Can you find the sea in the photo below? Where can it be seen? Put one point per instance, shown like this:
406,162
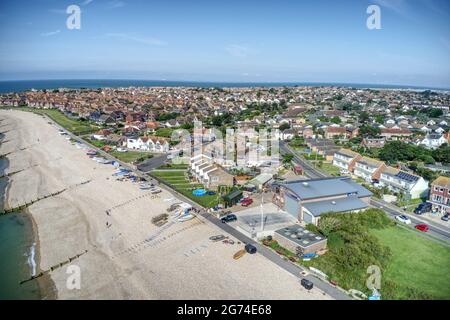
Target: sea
24,85
18,256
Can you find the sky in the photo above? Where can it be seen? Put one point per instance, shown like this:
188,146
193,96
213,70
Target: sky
216,40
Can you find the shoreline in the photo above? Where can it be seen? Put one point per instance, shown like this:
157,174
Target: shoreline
45,285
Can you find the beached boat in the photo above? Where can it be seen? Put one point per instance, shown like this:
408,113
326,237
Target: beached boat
239,254
145,186
186,217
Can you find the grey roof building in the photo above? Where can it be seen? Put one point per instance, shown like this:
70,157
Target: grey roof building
308,199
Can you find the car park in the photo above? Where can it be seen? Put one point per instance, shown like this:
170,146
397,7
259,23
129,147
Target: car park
403,218
246,202
228,218
422,227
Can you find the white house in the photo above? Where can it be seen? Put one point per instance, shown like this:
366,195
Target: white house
433,141
152,144
403,182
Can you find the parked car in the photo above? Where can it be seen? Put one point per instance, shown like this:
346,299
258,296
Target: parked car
228,218
308,285
403,218
120,149
250,248
422,227
246,202
444,217
423,208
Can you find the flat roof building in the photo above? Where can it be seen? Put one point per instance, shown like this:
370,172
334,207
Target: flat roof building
308,199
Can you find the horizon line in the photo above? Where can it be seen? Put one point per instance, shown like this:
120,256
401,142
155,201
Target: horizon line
251,83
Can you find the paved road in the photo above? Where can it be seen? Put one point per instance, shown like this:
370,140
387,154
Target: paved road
152,163
435,230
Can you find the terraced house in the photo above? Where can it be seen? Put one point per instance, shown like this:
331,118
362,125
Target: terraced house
346,159
403,182
368,169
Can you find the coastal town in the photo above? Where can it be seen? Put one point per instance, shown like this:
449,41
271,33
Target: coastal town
344,172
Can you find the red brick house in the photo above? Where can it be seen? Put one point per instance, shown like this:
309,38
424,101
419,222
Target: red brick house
440,194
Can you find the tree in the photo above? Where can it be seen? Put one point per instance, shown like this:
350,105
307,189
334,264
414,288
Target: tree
284,126
367,131
287,158
336,120
364,117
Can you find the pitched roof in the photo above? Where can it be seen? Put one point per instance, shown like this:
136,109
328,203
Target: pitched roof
442,181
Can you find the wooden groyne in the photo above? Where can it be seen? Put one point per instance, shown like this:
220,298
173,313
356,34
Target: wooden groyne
10,174
53,268
27,204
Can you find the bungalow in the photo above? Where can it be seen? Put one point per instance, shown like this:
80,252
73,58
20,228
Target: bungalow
101,134
368,169
403,182
433,141
374,142
106,119
392,133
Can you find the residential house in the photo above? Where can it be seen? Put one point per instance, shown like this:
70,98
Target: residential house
395,134
433,141
374,142
101,134
368,169
399,181
346,159
440,195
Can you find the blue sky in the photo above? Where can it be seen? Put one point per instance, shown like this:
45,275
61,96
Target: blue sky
247,40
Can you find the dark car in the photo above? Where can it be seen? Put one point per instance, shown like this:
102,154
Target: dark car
307,284
423,208
228,218
444,217
250,248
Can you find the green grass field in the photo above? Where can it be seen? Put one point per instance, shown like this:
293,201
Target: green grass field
329,168
75,126
416,262
178,180
131,156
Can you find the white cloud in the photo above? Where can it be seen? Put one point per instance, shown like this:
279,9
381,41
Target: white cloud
114,4
238,51
139,39
51,33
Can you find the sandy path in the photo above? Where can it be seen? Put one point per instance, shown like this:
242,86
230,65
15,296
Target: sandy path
179,263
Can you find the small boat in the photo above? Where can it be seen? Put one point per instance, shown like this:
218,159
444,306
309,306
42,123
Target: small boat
145,186
217,238
186,217
91,152
239,254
